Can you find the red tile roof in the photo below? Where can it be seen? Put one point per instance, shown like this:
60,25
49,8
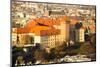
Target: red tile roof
22,30
33,27
49,32
47,21
38,28
92,28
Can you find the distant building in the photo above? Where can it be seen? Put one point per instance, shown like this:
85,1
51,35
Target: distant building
56,13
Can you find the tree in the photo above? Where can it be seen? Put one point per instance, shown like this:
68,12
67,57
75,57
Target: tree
58,52
86,49
93,41
52,54
38,46
40,54
78,25
29,57
16,52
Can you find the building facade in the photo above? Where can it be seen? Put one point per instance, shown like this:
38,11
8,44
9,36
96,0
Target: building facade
79,37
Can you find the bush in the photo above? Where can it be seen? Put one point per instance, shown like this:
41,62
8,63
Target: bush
86,49
40,54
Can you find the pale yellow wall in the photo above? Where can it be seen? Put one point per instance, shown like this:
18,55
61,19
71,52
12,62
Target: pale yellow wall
80,35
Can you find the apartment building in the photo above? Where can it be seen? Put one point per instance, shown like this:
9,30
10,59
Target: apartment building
79,37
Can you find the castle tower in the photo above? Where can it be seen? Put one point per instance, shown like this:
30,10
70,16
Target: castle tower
64,31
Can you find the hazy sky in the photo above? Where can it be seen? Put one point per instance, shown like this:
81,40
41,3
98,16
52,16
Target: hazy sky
91,2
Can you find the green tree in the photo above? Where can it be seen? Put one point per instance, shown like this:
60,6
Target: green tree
78,25
58,52
93,41
86,48
52,55
40,54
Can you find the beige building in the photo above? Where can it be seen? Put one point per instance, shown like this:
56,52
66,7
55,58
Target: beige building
47,36
21,37
80,35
